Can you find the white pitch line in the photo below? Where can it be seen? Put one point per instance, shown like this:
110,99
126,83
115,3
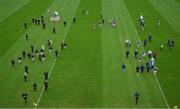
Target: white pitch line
14,10
48,77
157,81
56,58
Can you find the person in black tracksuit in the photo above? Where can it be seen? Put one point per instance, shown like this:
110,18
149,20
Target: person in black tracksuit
65,23
46,84
32,48
27,37
74,19
45,75
56,53
127,53
25,25
13,63
34,87
136,95
25,96
24,54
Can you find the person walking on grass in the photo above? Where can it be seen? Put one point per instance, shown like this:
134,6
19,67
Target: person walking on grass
13,64
23,54
137,70
150,37
34,87
46,84
32,48
25,76
145,42
65,23
25,96
136,53
25,25
27,37
19,59
74,19
26,68
136,95
127,53
45,75
123,66
56,53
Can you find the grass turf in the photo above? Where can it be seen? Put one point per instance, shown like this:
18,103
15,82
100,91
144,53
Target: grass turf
9,6
161,34
16,21
88,73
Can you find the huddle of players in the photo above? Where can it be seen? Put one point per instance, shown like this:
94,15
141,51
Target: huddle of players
150,63
38,54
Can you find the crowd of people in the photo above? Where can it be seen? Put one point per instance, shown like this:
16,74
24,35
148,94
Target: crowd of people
38,54
146,59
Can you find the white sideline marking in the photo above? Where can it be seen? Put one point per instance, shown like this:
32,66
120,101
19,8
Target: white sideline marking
65,35
157,81
14,10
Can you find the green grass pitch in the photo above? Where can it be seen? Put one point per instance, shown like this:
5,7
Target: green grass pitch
88,74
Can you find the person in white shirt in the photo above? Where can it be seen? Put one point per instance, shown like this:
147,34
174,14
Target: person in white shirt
152,62
127,43
149,53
